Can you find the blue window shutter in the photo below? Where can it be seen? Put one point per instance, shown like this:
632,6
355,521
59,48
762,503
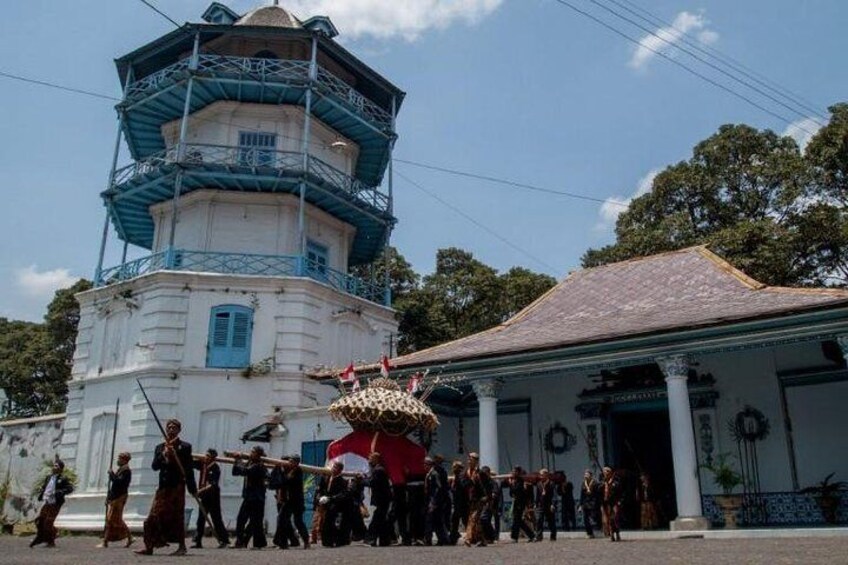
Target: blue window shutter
230,329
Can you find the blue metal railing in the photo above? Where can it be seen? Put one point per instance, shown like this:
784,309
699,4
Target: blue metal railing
243,264
290,162
268,71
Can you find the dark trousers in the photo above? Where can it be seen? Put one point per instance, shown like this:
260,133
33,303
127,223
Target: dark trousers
250,523
358,531
588,516
460,515
434,523
544,515
295,515
520,525
336,528
380,530
401,513
212,505
486,516
283,533
569,518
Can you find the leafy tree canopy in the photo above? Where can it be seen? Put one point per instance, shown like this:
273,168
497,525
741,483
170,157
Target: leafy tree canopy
754,198
35,359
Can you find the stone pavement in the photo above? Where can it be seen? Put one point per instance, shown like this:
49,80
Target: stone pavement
770,551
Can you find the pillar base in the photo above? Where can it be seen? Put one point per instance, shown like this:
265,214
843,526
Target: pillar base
689,524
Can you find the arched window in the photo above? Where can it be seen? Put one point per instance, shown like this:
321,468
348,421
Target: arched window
265,54
230,329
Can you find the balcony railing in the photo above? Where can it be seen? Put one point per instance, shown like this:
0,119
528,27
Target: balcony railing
256,159
243,264
266,71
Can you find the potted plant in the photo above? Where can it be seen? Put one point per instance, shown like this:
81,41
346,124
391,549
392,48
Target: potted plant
827,495
726,477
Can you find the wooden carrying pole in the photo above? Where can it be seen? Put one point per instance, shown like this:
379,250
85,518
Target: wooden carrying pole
230,457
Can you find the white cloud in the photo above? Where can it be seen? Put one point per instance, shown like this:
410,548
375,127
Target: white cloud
666,37
615,205
802,131
42,284
383,19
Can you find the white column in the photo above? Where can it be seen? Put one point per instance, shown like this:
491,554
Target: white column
487,401
686,480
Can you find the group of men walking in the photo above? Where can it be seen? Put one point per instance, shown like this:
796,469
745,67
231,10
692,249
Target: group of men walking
441,509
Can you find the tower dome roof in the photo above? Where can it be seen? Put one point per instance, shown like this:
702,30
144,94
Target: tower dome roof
269,16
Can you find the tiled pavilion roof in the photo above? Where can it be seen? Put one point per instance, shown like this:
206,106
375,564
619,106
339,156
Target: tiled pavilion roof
673,291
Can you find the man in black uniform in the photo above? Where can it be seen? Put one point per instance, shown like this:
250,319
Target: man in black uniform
518,492
545,505
295,504
459,492
589,501
437,493
611,503
335,497
209,491
380,529
165,522
250,522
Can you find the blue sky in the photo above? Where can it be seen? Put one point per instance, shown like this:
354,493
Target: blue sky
526,90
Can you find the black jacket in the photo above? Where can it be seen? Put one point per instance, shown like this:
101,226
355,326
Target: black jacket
334,488
170,474
381,486
518,493
255,479
589,495
545,494
436,490
63,488
120,483
211,477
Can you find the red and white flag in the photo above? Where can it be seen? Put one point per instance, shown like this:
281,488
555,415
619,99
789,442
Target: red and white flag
384,366
349,376
414,384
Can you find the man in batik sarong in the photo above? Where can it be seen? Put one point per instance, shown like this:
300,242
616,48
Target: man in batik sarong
166,521
116,499
53,492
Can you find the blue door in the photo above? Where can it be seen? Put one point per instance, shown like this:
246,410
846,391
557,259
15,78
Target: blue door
312,453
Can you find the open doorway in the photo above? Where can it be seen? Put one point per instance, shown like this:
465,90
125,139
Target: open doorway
640,441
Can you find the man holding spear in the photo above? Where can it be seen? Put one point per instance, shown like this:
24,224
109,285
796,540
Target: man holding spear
166,521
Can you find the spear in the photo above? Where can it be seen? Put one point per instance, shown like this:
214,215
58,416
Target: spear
175,458
111,459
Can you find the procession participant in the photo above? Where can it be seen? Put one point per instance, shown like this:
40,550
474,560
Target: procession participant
295,504
250,522
647,497
380,528
447,506
477,500
277,482
357,511
319,511
565,489
53,492
611,503
545,505
209,492
336,498
417,513
488,512
437,493
588,501
119,482
459,492
518,493
400,506
166,520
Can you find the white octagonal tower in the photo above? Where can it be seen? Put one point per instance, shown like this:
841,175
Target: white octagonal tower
259,146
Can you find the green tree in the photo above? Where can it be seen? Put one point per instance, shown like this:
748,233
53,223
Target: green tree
36,359
750,195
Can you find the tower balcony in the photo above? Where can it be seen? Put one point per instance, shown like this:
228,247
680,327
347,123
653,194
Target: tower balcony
247,169
244,264
159,98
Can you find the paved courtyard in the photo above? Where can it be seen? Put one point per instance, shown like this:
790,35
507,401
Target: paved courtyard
81,550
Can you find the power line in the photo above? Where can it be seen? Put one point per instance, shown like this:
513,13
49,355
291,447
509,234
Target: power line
477,223
160,12
58,86
675,62
698,58
508,182
719,55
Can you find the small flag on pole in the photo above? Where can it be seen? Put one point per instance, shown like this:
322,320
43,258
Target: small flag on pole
384,366
349,376
414,384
